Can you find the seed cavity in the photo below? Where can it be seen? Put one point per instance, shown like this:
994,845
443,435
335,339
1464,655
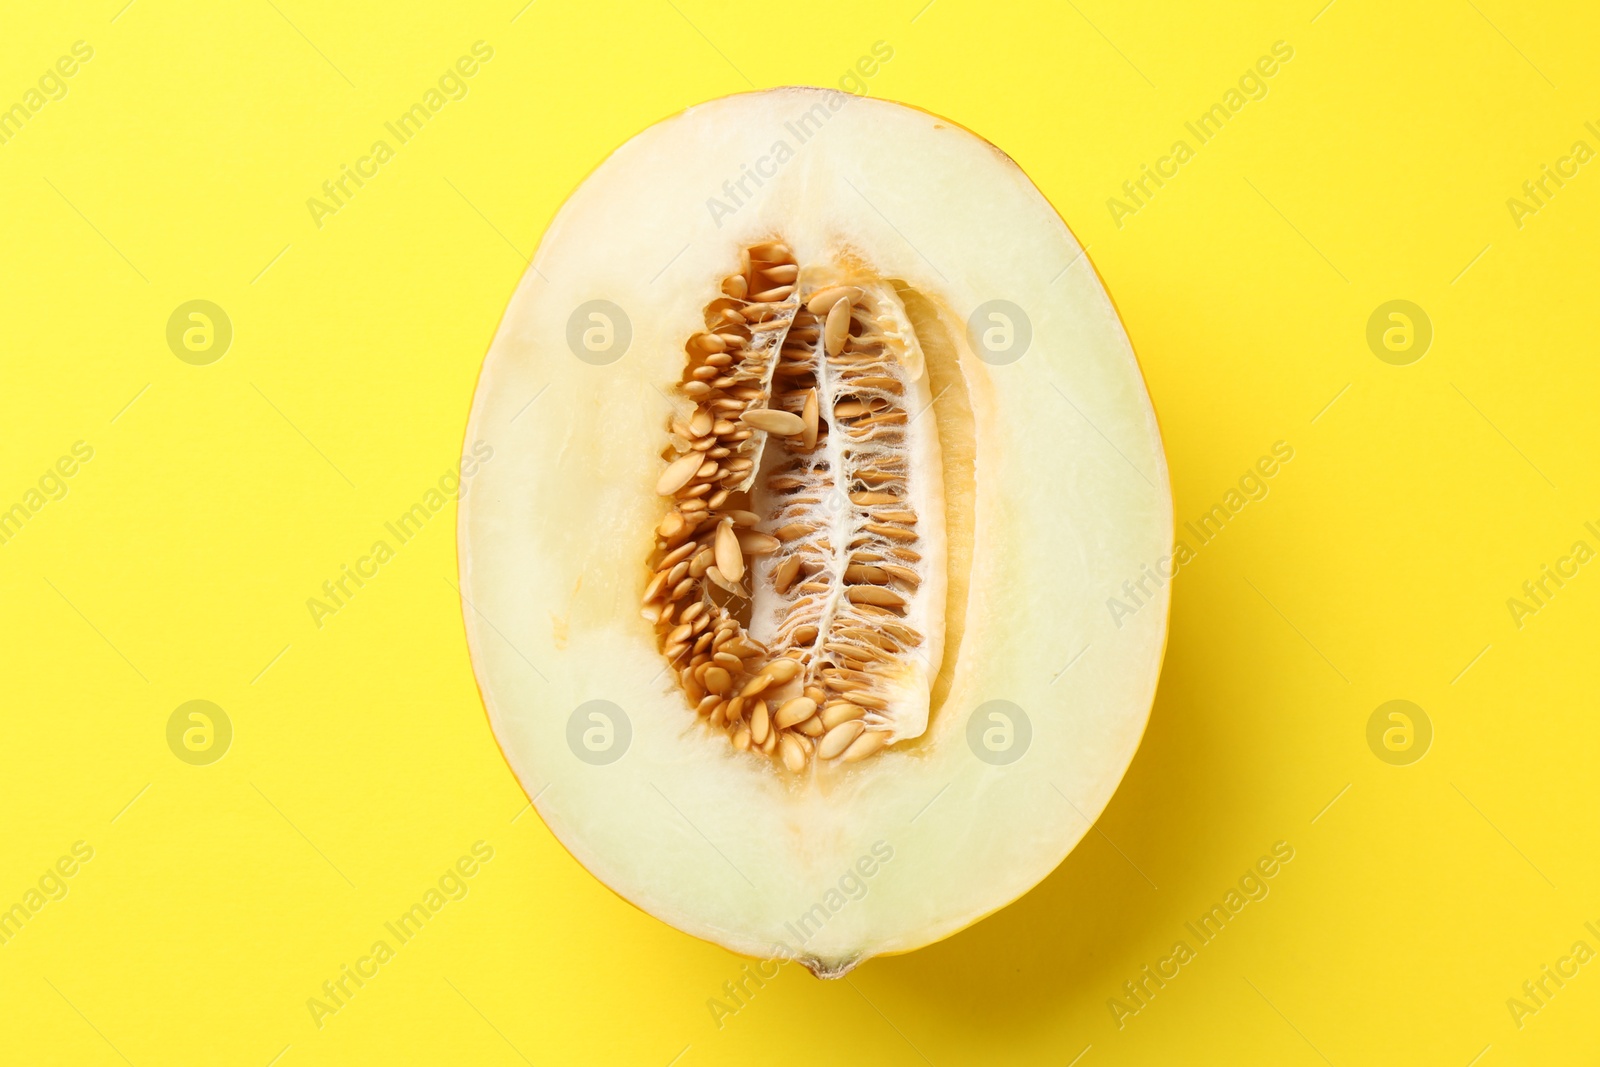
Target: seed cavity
786,583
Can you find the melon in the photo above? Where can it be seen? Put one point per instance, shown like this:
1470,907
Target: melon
818,449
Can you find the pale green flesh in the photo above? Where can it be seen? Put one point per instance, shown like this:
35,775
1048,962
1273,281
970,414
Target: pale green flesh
1071,500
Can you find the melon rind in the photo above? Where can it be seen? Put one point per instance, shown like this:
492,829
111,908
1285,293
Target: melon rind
1071,500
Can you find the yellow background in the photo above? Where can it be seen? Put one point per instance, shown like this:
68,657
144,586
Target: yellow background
1419,500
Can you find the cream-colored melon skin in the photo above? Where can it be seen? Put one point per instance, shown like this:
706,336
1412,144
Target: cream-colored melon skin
556,528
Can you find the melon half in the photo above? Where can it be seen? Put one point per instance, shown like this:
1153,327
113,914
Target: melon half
817,451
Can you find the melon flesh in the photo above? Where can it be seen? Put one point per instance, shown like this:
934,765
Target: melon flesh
1042,487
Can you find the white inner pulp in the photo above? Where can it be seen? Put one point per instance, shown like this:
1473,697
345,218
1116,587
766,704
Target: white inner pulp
799,578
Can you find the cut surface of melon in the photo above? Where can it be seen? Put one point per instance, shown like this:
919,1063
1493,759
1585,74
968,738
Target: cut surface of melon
818,450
